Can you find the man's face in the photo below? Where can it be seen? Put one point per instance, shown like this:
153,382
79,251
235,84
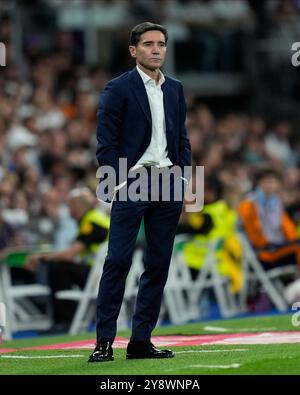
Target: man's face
150,51
270,185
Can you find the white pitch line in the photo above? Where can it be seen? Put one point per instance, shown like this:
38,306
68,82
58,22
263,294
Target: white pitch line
196,351
221,329
215,329
40,356
232,366
254,329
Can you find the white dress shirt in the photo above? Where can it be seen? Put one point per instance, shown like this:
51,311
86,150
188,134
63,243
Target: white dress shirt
156,153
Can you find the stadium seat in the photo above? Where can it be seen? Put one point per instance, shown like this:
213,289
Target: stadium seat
271,280
7,331
208,278
22,313
175,304
182,295
86,296
176,300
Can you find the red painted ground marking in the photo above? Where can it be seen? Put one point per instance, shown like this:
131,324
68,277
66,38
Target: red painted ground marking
5,350
182,341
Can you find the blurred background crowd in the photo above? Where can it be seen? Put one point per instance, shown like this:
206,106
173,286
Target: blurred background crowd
233,57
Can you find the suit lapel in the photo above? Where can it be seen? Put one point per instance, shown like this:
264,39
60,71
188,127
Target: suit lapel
140,93
169,97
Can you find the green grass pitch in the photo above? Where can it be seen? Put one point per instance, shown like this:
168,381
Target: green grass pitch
267,359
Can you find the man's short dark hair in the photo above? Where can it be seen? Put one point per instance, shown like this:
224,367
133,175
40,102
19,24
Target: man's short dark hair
140,29
265,173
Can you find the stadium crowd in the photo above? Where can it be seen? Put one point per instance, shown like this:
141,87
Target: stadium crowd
48,108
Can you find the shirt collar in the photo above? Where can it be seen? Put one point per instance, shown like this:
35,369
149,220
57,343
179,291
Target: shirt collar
146,79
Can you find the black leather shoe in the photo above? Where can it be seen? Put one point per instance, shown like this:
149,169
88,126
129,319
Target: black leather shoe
140,350
103,352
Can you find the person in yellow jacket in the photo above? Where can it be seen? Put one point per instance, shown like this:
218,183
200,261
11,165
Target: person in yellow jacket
215,224
71,265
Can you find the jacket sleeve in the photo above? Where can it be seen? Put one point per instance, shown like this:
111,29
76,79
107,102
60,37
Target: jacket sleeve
109,116
251,224
288,227
184,143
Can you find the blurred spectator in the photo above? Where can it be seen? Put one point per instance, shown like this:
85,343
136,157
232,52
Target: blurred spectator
49,94
215,225
7,236
215,30
71,266
266,223
278,145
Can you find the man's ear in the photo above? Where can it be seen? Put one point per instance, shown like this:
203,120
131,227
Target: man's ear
132,50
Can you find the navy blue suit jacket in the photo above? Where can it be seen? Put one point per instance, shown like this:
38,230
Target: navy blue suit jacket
124,122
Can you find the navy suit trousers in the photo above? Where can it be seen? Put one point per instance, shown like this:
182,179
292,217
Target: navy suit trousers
160,220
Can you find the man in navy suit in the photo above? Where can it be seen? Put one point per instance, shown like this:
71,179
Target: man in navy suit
141,118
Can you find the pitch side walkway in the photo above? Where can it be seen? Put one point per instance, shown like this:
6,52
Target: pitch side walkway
182,341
